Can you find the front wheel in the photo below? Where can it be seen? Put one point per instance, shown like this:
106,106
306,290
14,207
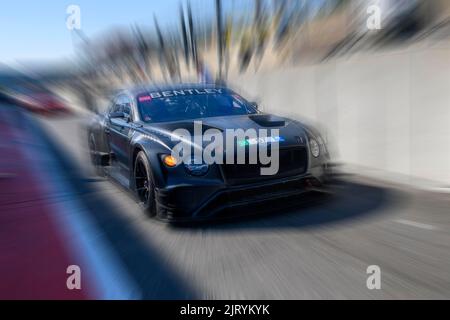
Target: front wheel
144,185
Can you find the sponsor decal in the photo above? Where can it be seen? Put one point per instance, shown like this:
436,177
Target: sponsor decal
261,140
144,98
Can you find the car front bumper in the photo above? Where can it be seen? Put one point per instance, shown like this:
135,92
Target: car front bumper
206,201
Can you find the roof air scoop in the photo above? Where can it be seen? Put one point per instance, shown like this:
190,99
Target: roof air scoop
267,120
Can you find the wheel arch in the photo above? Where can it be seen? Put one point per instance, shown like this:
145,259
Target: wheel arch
152,155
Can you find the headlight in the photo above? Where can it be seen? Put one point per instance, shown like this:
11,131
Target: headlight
314,147
197,169
169,161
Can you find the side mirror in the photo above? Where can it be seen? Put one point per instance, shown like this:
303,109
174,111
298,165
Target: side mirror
116,115
255,105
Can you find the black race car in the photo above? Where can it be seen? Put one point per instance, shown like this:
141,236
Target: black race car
133,142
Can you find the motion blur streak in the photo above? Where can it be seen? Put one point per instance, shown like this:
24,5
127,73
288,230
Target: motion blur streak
84,237
34,258
381,97
61,224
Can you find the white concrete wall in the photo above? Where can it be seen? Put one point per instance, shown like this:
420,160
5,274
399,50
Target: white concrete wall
387,111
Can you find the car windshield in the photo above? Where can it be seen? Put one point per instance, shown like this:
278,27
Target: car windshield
185,104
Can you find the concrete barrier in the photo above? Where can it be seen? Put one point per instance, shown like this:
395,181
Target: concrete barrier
386,111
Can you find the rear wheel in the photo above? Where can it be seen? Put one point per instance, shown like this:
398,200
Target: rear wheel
144,185
93,153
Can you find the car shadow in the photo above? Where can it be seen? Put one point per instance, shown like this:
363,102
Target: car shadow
347,202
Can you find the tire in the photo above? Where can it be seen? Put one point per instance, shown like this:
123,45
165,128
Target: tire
94,160
144,185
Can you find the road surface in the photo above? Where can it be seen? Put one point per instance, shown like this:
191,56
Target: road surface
319,251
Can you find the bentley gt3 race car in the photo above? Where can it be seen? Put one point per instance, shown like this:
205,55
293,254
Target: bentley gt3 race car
134,141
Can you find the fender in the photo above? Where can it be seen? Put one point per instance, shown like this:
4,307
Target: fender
153,148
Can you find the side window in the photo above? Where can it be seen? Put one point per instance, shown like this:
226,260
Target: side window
115,107
126,105
122,104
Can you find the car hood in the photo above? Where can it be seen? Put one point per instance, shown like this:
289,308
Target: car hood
292,133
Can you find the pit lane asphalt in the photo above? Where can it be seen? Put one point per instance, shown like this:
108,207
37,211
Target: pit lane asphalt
320,250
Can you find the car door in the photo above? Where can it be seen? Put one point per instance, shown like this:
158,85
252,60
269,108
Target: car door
118,130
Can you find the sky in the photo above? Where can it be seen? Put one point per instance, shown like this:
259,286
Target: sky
36,30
